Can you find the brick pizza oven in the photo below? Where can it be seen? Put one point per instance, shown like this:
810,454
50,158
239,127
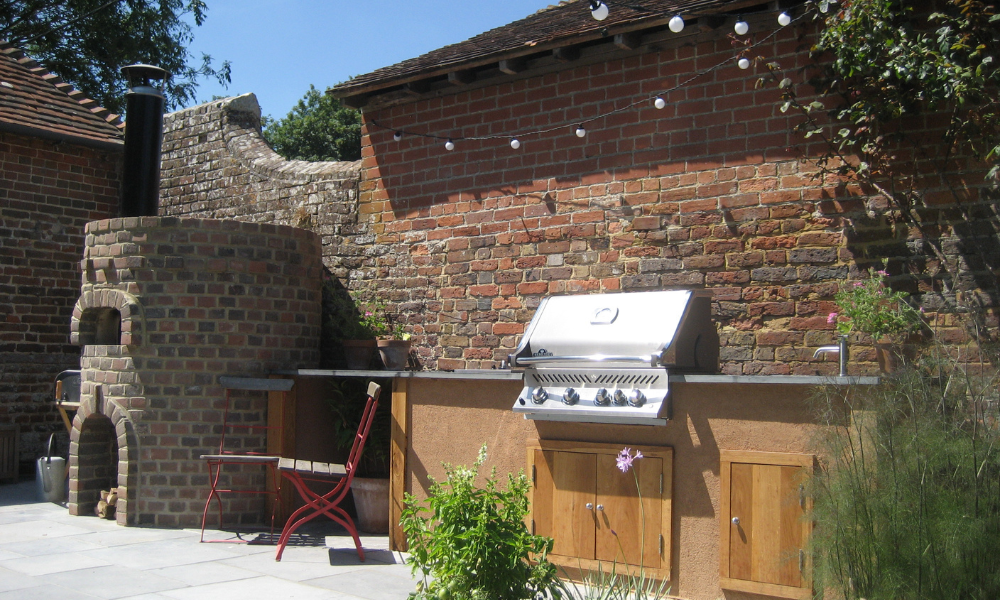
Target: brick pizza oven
167,306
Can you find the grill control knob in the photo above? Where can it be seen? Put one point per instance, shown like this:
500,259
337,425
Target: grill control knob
620,398
570,396
636,398
539,395
602,398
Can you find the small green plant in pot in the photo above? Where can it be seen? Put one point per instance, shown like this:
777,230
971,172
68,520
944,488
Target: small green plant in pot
870,307
474,544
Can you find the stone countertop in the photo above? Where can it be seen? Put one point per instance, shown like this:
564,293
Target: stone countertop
508,375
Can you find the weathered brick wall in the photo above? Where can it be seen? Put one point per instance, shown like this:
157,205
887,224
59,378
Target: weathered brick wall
714,191
216,165
198,298
48,192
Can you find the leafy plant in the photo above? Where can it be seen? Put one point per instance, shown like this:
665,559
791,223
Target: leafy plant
474,544
909,505
871,307
87,42
350,317
318,128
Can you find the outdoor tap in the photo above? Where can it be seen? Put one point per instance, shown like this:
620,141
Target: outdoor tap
842,351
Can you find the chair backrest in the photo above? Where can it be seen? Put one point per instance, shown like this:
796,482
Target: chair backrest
374,390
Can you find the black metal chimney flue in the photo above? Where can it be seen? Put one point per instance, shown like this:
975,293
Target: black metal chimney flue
143,136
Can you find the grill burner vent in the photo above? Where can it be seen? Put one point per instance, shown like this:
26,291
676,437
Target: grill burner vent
604,358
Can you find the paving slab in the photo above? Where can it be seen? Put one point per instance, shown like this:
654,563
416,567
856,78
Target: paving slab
45,553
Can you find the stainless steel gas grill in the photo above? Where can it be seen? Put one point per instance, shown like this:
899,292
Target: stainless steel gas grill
606,358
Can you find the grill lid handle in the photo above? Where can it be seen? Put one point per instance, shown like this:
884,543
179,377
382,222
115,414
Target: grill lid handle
653,360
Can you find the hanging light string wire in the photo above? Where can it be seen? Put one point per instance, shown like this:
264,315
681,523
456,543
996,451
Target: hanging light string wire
683,84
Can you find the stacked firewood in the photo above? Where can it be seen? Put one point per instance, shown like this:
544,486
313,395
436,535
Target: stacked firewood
106,506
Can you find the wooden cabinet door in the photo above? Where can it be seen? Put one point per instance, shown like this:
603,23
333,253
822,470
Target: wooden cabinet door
565,483
765,529
620,521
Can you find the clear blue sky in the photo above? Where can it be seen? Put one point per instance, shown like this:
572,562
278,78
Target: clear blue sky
278,47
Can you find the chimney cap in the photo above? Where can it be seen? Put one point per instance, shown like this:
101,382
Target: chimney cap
140,75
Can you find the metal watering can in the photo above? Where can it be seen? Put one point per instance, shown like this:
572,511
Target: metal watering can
50,476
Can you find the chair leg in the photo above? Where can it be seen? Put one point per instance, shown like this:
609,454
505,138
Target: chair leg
211,494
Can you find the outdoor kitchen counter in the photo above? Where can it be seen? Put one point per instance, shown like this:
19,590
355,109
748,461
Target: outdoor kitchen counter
508,375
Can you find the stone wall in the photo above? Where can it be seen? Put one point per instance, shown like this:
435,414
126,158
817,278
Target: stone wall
216,165
48,192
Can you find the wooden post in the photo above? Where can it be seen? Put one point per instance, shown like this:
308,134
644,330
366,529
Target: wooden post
281,420
397,468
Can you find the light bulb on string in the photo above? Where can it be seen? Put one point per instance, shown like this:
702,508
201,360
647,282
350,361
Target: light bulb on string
515,143
824,6
743,63
676,24
741,27
397,136
659,102
598,10
580,131
449,145
784,19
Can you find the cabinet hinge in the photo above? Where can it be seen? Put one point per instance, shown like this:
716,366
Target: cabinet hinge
802,560
661,485
661,544
802,496
533,474
532,527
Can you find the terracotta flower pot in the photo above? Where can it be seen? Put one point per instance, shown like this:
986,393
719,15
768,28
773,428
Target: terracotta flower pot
371,501
395,353
358,353
891,356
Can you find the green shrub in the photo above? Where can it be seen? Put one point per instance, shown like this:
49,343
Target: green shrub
909,506
474,544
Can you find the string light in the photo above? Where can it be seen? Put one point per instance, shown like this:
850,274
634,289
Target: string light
741,27
824,7
598,10
676,25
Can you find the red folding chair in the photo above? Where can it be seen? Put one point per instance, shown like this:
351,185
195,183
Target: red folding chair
299,472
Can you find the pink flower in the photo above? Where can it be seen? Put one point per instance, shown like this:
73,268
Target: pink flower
625,458
831,319
883,273
858,284
368,313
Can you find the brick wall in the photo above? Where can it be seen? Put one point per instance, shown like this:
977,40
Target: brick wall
48,192
198,298
713,191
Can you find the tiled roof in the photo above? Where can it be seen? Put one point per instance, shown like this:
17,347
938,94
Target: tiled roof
566,23
33,100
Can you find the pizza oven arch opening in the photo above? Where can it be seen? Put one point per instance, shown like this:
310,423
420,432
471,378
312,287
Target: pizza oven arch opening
101,326
97,461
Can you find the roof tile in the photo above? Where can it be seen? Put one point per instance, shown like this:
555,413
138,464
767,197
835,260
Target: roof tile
31,96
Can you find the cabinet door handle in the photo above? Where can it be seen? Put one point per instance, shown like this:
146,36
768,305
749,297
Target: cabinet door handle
736,521
600,507
590,506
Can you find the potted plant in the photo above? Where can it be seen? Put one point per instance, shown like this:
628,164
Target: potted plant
393,343
870,307
360,327
370,486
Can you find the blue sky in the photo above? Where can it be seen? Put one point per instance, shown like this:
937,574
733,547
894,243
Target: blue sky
278,47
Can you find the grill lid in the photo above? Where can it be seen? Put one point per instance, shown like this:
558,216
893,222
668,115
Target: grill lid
664,328
601,358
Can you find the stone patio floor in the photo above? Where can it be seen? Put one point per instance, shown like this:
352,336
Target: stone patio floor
47,554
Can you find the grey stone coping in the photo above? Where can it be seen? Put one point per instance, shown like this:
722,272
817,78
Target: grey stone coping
507,375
